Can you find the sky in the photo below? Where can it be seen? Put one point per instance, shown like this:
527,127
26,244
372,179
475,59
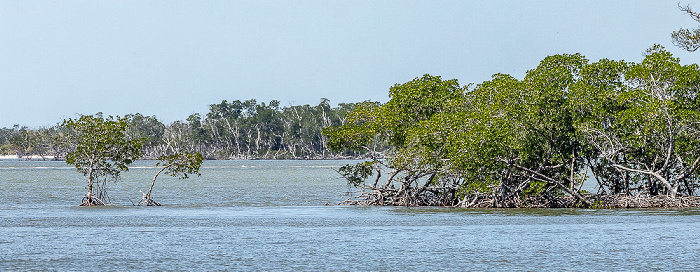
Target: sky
174,58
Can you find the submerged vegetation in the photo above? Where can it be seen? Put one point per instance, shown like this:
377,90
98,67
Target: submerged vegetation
631,128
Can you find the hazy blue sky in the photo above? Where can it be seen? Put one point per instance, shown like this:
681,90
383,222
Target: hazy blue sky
174,58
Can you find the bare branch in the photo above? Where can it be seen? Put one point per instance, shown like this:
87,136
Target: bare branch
690,12
687,39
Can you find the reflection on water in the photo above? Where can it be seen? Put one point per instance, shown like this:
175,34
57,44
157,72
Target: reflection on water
270,215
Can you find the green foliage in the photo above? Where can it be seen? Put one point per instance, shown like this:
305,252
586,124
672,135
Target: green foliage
181,165
520,134
417,101
687,39
359,130
249,129
99,147
147,128
626,123
632,127
23,141
358,173
231,130
652,131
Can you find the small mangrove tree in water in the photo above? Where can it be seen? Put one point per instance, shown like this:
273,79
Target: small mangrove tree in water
631,128
100,149
179,165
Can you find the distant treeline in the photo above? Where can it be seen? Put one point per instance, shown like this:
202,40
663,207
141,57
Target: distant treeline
230,130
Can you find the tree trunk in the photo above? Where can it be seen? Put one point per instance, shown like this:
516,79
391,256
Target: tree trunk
90,199
147,200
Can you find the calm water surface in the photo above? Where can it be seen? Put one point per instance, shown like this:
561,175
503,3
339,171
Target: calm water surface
271,215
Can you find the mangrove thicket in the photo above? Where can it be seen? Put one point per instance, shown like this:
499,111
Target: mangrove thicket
632,129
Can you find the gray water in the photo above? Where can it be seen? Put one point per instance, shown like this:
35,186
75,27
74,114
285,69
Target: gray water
271,215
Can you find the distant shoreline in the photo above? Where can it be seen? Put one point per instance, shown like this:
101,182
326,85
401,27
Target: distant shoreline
32,157
53,158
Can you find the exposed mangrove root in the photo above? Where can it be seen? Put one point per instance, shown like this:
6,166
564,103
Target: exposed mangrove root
90,200
518,187
179,165
146,200
393,198
445,197
97,194
405,197
538,201
642,201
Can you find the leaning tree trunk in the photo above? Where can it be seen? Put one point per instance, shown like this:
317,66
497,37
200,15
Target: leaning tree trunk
147,200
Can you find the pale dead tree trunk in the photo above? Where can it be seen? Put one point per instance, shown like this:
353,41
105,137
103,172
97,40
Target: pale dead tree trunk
284,144
167,140
326,122
249,141
257,140
291,148
174,139
216,136
268,146
296,112
237,138
235,135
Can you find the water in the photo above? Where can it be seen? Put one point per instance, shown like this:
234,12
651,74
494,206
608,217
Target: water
270,215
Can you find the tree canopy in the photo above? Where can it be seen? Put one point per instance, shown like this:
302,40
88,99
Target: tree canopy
630,127
99,148
180,165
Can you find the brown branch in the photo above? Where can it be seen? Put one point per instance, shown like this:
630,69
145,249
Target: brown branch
694,15
553,181
656,175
